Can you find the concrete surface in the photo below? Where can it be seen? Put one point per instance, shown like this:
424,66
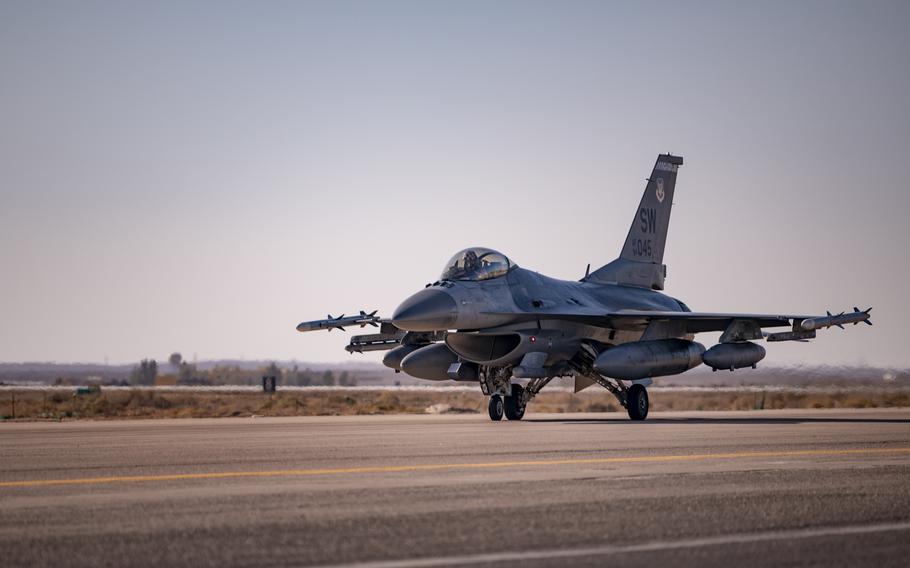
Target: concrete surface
683,489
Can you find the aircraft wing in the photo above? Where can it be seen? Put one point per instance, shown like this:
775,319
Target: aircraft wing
803,326
696,322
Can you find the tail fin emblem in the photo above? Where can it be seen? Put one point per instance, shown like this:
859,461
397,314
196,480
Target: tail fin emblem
660,190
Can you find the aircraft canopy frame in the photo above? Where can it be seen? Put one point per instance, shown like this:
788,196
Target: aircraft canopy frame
476,264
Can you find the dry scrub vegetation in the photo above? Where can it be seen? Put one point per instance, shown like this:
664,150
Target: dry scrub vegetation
57,405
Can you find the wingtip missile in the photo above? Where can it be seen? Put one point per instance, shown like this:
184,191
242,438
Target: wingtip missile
839,320
830,314
362,319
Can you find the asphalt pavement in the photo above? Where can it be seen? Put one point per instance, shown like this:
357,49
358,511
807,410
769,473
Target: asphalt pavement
822,488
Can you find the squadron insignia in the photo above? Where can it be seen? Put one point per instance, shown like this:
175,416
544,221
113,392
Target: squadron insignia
660,190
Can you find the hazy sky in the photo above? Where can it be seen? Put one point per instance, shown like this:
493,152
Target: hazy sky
203,176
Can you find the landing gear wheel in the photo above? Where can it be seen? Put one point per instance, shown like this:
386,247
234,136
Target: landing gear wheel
637,402
495,408
515,410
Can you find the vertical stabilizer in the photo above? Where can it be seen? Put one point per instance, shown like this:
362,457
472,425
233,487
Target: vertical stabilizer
641,261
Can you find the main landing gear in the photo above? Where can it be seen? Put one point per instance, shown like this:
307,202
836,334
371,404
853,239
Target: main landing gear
515,404
634,397
637,402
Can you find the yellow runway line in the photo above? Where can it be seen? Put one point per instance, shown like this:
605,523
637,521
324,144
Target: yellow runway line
452,466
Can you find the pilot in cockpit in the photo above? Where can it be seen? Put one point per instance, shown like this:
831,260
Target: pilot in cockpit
470,262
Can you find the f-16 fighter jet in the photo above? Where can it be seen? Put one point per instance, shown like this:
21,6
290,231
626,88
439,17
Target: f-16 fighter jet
512,330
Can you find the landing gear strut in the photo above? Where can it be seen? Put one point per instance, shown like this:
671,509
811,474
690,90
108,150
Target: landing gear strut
634,398
496,408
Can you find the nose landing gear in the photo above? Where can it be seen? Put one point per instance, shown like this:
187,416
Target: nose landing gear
511,406
506,398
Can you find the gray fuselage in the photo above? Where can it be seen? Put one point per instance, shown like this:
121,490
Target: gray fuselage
523,298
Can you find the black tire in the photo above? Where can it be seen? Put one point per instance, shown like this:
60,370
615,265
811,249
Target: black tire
514,410
495,408
637,402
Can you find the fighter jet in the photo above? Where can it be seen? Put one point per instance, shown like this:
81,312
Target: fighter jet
489,321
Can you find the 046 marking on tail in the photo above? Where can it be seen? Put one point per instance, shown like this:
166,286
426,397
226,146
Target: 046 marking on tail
511,330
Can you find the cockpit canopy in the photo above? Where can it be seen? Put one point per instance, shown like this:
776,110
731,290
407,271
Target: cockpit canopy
476,264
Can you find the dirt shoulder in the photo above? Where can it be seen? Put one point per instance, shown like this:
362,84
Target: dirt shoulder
150,403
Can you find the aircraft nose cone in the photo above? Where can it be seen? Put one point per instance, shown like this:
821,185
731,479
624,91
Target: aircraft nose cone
427,310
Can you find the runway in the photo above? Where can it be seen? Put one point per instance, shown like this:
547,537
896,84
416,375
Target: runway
683,489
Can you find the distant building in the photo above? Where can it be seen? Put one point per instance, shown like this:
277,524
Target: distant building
166,381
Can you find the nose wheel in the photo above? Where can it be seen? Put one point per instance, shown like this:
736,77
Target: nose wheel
496,408
512,406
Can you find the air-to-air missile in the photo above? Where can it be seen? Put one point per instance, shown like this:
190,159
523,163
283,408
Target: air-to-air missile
839,320
388,337
804,329
341,321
